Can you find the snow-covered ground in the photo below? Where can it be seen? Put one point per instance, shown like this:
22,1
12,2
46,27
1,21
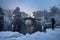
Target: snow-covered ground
48,35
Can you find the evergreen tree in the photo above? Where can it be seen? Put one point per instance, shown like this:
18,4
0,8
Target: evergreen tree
1,19
17,19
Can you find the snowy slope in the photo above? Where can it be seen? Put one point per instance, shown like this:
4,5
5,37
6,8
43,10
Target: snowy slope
48,35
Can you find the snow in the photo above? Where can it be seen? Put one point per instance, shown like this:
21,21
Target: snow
9,34
48,35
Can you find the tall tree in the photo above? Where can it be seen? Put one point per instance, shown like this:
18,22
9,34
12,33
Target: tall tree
1,19
53,10
17,19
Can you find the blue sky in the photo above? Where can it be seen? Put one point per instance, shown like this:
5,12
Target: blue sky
29,6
